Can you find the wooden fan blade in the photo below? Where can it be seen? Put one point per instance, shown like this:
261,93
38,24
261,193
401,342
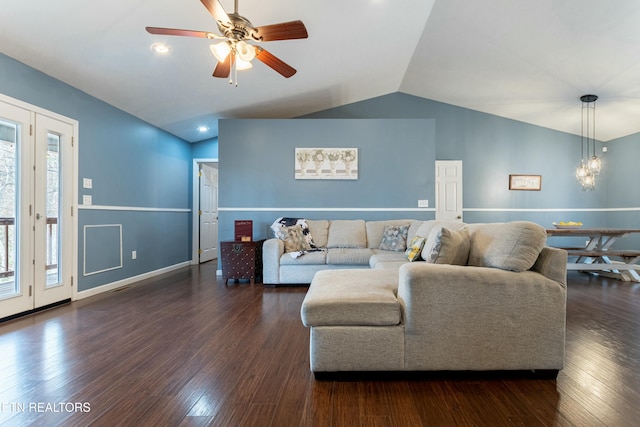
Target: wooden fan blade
217,11
277,64
176,32
283,31
224,68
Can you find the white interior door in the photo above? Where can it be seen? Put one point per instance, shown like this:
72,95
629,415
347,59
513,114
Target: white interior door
37,169
449,190
208,213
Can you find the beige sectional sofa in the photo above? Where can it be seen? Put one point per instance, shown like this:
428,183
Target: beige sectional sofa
344,244
503,309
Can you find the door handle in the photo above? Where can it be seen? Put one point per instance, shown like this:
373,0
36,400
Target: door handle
37,216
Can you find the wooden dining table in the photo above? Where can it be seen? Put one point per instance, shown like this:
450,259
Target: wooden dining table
596,254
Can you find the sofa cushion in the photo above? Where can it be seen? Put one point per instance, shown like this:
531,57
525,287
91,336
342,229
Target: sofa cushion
432,242
349,256
318,257
513,246
375,230
294,239
319,229
454,247
394,238
415,248
386,256
352,297
347,234
421,228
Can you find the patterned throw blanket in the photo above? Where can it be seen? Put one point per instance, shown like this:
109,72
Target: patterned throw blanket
295,234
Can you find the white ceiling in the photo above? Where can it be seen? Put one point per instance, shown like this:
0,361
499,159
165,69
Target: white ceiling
525,60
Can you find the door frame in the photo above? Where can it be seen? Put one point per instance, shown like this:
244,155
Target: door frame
72,250
195,219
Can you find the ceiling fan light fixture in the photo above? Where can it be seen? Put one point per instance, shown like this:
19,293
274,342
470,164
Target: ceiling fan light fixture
242,64
220,50
246,52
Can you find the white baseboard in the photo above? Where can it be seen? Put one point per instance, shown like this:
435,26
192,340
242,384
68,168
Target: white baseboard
124,282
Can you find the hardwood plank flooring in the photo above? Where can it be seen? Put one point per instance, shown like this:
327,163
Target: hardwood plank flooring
183,349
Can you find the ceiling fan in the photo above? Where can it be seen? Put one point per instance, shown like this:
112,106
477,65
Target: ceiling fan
234,51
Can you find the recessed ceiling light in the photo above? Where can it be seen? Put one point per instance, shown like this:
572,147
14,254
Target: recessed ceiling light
160,48
202,129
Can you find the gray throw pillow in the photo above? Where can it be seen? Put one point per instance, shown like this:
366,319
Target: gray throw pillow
394,238
454,247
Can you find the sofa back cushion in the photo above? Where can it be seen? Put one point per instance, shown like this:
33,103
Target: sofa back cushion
319,229
513,246
453,247
420,228
375,230
347,234
432,242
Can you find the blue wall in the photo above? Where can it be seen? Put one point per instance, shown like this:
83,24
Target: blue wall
206,149
135,167
257,165
623,190
490,147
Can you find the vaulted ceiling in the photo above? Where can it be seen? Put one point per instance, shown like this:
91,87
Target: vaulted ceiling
530,61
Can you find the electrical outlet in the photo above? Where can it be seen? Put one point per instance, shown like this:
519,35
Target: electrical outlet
423,203
86,200
134,254
87,183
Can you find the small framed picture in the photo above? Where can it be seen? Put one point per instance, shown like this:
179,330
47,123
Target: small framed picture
525,182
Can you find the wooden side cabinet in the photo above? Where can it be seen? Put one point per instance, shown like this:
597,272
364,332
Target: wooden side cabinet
241,260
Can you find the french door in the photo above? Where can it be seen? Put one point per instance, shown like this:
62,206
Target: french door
36,221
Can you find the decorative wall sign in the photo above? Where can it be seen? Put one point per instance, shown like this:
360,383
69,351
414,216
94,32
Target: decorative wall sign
326,163
525,182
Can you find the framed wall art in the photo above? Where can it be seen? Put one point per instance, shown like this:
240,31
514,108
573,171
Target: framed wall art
525,182
326,163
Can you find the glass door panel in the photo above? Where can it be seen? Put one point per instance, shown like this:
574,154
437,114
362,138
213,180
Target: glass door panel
53,209
9,285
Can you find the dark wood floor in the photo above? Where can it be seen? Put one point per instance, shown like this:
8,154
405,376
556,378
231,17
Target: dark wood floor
183,349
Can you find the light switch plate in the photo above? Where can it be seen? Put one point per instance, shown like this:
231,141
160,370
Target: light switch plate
86,200
87,183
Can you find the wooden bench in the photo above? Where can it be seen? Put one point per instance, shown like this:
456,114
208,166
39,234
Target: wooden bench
581,252
599,261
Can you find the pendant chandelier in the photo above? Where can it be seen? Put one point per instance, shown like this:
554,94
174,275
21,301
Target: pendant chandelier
590,164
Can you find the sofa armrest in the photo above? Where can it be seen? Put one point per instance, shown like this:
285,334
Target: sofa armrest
272,250
552,263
